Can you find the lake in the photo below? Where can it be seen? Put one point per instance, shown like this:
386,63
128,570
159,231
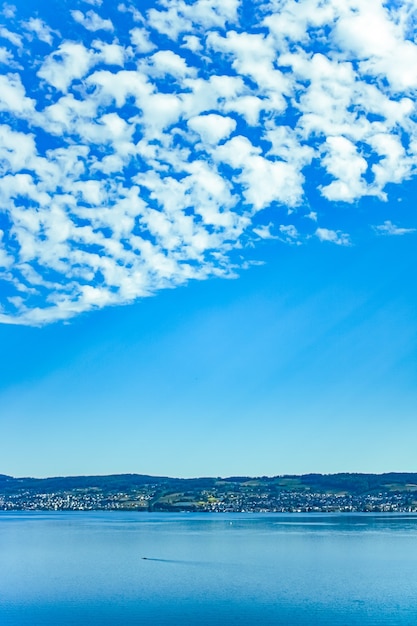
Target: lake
76,568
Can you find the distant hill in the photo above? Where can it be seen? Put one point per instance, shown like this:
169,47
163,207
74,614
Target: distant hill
351,483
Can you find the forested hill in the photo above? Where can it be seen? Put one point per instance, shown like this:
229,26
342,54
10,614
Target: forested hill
346,483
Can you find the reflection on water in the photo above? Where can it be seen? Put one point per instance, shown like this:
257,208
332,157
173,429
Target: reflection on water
129,569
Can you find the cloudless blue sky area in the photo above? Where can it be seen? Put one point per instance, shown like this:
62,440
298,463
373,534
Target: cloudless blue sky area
265,325
304,364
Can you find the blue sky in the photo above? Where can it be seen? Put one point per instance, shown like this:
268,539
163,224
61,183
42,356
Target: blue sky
207,237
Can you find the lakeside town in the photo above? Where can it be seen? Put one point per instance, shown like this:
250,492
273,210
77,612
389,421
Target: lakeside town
232,503
284,494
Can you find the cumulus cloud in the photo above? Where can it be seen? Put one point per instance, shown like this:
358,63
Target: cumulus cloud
91,20
71,61
265,231
13,38
140,39
40,29
325,234
388,228
212,128
140,150
13,96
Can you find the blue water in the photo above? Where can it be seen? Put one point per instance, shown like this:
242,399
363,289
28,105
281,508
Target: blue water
297,570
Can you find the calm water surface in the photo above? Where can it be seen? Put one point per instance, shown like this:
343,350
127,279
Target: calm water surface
297,570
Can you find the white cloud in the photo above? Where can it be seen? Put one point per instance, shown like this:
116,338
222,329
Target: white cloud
192,42
178,16
286,144
289,231
265,231
140,39
129,8
68,115
129,167
254,56
343,162
17,150
212,128
111,53
248,107
70,62
9,10
388,228
371,36
92,21
166,62
41,30
6,260
264,181
169,22
325,234
13,96
6,57
394,165
14,38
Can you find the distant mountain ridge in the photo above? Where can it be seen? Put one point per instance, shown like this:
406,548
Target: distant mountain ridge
356,483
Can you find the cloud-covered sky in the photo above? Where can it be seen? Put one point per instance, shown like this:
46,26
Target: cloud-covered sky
145,145
159,148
